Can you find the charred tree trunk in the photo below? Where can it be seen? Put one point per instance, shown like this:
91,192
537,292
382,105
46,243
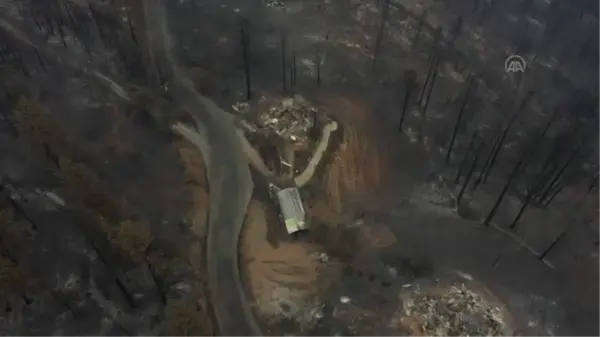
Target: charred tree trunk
294,72
593,182
503,136
128,297
245,41
430,71
410,77
318,70
572,156
470,173
159,286
132,30
556,191
529,197
526,202
533,189
485,164
458,121
552,245
20,210
522,163
283,64
465,158
431,87
494,155
545,172
40,59
509,180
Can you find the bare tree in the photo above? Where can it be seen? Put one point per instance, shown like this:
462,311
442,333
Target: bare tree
502,194
459,119
532,190
430,71
410,78
504,134
552,245
593,181
431,87
245,41
294,69
470,173
465,158
283,62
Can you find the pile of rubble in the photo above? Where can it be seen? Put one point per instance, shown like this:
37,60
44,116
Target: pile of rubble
274,3
453,311
291,118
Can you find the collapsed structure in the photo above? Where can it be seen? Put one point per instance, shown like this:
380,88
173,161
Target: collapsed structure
291,124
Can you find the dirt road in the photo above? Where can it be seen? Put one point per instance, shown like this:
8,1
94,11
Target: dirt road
230,183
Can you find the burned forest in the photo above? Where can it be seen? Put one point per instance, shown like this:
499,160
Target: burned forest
295,167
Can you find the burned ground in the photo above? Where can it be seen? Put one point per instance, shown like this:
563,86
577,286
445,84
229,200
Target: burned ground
490,174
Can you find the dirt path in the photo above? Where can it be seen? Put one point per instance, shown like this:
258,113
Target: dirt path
229,180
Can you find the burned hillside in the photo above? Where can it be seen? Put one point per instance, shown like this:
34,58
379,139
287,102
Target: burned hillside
144,146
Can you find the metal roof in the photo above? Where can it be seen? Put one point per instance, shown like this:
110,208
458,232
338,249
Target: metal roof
292,209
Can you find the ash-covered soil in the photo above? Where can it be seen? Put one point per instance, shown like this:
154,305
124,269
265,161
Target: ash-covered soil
433,212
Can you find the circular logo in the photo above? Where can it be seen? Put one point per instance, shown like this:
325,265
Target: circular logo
514,64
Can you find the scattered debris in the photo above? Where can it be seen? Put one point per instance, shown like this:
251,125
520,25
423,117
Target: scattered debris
241,108
55,198
344,299
274,3
288,305
453,311
291,118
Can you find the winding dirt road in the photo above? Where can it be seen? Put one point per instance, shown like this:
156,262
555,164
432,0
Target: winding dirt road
230,183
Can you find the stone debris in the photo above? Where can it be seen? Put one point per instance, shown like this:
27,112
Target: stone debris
323,257
274,3
241,108
453,311
291,118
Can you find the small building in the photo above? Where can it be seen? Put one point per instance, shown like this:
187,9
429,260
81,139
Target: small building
292,210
